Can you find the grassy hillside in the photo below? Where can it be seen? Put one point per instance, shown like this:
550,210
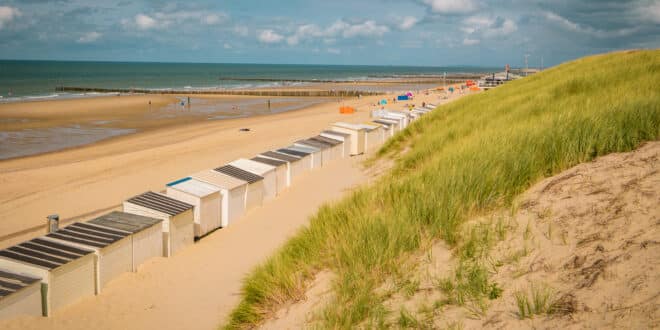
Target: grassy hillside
464,159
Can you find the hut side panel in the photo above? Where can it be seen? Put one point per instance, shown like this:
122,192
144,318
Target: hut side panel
181,231
73,282
146,245
27,301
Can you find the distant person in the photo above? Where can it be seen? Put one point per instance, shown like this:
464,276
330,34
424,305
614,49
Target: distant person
423,104
268,104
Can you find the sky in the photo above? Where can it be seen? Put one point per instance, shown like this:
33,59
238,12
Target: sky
379,32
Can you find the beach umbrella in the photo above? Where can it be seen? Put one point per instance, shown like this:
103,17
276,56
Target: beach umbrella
383,101
409,94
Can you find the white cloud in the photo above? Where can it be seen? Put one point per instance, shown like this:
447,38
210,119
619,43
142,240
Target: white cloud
270,37
144,22
8,14
471,42
366,29
588,30
241,30
89,37
335,51
408,22
227,46
340,28
212,19
161,20
488,26
451,6
650,13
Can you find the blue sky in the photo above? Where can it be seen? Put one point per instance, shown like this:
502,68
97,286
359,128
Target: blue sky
383,32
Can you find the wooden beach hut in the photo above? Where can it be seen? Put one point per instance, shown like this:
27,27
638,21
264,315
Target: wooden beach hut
373,136
177,218
265,171
281,170
206,199
113,248
305,157
357,136
145,233
254,195
20,294
336,146
67,273
315,154
294,164
402,118
234,194
344,137
388,127
327,154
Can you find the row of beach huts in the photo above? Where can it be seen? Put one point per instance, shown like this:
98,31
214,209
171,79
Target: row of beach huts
46,273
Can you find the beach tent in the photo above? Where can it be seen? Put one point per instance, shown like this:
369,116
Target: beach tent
402,98
20,294
233,192
327,154
113,248
409,94
305,157
265,171
346,110
206,200
66,272
373,136
336,146
344,137
177,216
383,102
294,165
145,234
254,195
315,154
281,171
357,135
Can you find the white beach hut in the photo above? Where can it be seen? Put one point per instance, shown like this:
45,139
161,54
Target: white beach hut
336,146
67,273
177,218
387,128
281,170
265,171
357,136
113,248
373,137
294,164
20,294
254,195
344,137
305,157
234,194
205,198
146,234
326,149
315,153
401,118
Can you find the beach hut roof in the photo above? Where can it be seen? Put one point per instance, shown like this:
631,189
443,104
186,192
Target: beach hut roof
327,140
87,234
44,253
11,282
268,161
280,156
238,173
349,126
293,152
315,144
161,203
309,149
194,187
345,135
385,122
219,179
128,222
252,166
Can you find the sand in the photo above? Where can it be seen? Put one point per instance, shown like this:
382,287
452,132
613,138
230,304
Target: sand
198,287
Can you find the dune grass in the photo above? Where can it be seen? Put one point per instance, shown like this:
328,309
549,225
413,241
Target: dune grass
466,158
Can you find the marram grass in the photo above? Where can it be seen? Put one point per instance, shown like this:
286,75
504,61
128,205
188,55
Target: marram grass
468,157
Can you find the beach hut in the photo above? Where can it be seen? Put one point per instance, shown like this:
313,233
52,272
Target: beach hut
389,127
336,146
357,135
113,248
234,194
315,154
67,273
373,136
327,154
402,116
267,172
344,137
281,171
305,157
177,218
254,195
294,166
145,233
20,294
206,199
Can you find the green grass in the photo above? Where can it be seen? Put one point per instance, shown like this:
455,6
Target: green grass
464,159
538,301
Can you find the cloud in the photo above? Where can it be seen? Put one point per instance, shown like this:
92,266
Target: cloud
335,51
145,22
212,19
270,37
488,26
366,29
651,12
161,20
340,28
407,23
89,37
451,6
471,42
585,29
241,30
8,14
227,46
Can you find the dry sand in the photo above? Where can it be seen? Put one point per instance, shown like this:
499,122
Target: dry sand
197,288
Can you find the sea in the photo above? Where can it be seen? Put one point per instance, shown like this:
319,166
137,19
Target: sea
35,80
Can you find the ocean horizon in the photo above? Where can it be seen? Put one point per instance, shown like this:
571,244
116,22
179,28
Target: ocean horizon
38,79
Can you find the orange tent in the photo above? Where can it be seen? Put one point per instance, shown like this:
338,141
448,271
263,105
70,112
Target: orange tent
475,88
346,110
